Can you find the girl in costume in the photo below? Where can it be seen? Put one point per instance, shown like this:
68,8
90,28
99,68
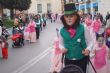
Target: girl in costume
32,31
101,58
4,47
96,25
76,52
56,63
88,21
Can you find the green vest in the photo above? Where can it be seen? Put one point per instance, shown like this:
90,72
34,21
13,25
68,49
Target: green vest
72,44
38,21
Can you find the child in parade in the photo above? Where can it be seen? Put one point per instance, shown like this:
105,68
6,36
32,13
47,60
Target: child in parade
88,21
44,20
38,26
20,29
4,47
96,25
107,38
56,64
76,53
101,58
30,32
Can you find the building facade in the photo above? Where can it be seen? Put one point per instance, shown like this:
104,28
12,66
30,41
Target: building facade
92,6
44,6
104,7
57,6
87,6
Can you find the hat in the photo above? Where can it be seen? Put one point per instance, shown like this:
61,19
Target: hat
69,9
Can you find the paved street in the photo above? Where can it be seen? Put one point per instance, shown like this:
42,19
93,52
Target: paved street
32,58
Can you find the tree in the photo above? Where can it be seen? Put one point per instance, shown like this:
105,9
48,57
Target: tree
15,4
1,8
22,4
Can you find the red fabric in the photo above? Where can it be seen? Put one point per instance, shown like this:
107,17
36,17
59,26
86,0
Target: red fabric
108,31
72,32
14,37
5,52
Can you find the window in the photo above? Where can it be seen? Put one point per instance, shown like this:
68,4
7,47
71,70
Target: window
48,7
39,8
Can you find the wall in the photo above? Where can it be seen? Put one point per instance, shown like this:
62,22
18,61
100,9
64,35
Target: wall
104,7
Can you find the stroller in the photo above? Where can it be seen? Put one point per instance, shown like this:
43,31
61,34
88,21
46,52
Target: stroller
75,69
71,69
17,38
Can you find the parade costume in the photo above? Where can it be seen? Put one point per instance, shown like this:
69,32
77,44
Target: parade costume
38,26
56,57
88,22
4,47
31,32
75,40
100,60
56,63
5,50
96,25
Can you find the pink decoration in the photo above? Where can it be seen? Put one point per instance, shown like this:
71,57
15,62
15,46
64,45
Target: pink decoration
100,57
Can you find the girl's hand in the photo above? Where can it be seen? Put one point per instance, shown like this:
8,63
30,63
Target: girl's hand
64,50
86,52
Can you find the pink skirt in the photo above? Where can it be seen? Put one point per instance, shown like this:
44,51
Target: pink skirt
104,69
56,64
32,37
26,36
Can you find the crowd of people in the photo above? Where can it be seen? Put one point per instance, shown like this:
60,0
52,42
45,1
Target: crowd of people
26,27
81,42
